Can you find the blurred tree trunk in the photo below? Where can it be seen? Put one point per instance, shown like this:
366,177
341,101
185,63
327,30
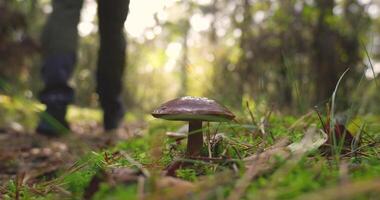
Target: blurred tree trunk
285,84
325,57
351,41
244,65
357,23
213,36
185,60
335,49
286,97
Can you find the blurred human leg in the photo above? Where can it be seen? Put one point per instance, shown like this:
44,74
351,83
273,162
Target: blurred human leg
59,45
111,60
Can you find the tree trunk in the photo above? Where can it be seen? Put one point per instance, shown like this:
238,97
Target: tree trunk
325,57
244,64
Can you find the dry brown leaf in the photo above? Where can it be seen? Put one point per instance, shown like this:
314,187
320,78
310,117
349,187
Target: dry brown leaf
313,139
348,190
260,163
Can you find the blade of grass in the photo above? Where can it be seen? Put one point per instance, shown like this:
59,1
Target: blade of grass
332,112
370,62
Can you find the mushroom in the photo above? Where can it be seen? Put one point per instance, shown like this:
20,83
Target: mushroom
195,110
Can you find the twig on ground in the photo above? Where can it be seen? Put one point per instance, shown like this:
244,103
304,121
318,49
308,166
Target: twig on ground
135,163
215,160
344,191
301,119
19,183
261,163
140,187
257,165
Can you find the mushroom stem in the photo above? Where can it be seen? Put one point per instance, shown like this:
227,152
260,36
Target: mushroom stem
195,138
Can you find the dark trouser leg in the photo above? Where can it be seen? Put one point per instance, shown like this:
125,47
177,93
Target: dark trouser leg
111,61
59,43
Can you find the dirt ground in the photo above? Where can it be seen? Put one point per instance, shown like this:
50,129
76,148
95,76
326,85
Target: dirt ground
37,156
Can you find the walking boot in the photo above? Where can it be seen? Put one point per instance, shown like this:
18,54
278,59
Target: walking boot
113,116
52,121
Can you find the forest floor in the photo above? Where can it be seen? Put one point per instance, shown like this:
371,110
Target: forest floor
36,156
262,155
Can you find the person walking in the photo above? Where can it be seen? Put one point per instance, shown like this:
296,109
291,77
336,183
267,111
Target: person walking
59,41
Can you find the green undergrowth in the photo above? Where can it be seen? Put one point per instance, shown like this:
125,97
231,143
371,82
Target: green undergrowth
22,114
152,151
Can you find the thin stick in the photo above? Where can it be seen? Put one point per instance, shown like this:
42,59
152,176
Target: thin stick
299,120
320,119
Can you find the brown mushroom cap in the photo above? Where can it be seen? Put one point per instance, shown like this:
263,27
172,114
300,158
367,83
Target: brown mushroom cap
193,108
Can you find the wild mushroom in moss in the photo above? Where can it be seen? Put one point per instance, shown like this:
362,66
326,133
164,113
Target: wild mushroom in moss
195,110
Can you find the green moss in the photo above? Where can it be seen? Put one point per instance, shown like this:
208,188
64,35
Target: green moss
107,192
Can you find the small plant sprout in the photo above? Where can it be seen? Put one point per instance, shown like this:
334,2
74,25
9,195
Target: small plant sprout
195,110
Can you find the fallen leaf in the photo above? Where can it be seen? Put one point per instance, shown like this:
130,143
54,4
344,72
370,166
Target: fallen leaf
348,190
257,165
260,163
312,140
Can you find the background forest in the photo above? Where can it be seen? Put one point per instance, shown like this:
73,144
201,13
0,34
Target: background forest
289,53
299,76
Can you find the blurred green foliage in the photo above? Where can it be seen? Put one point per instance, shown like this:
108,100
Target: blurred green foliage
288,52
